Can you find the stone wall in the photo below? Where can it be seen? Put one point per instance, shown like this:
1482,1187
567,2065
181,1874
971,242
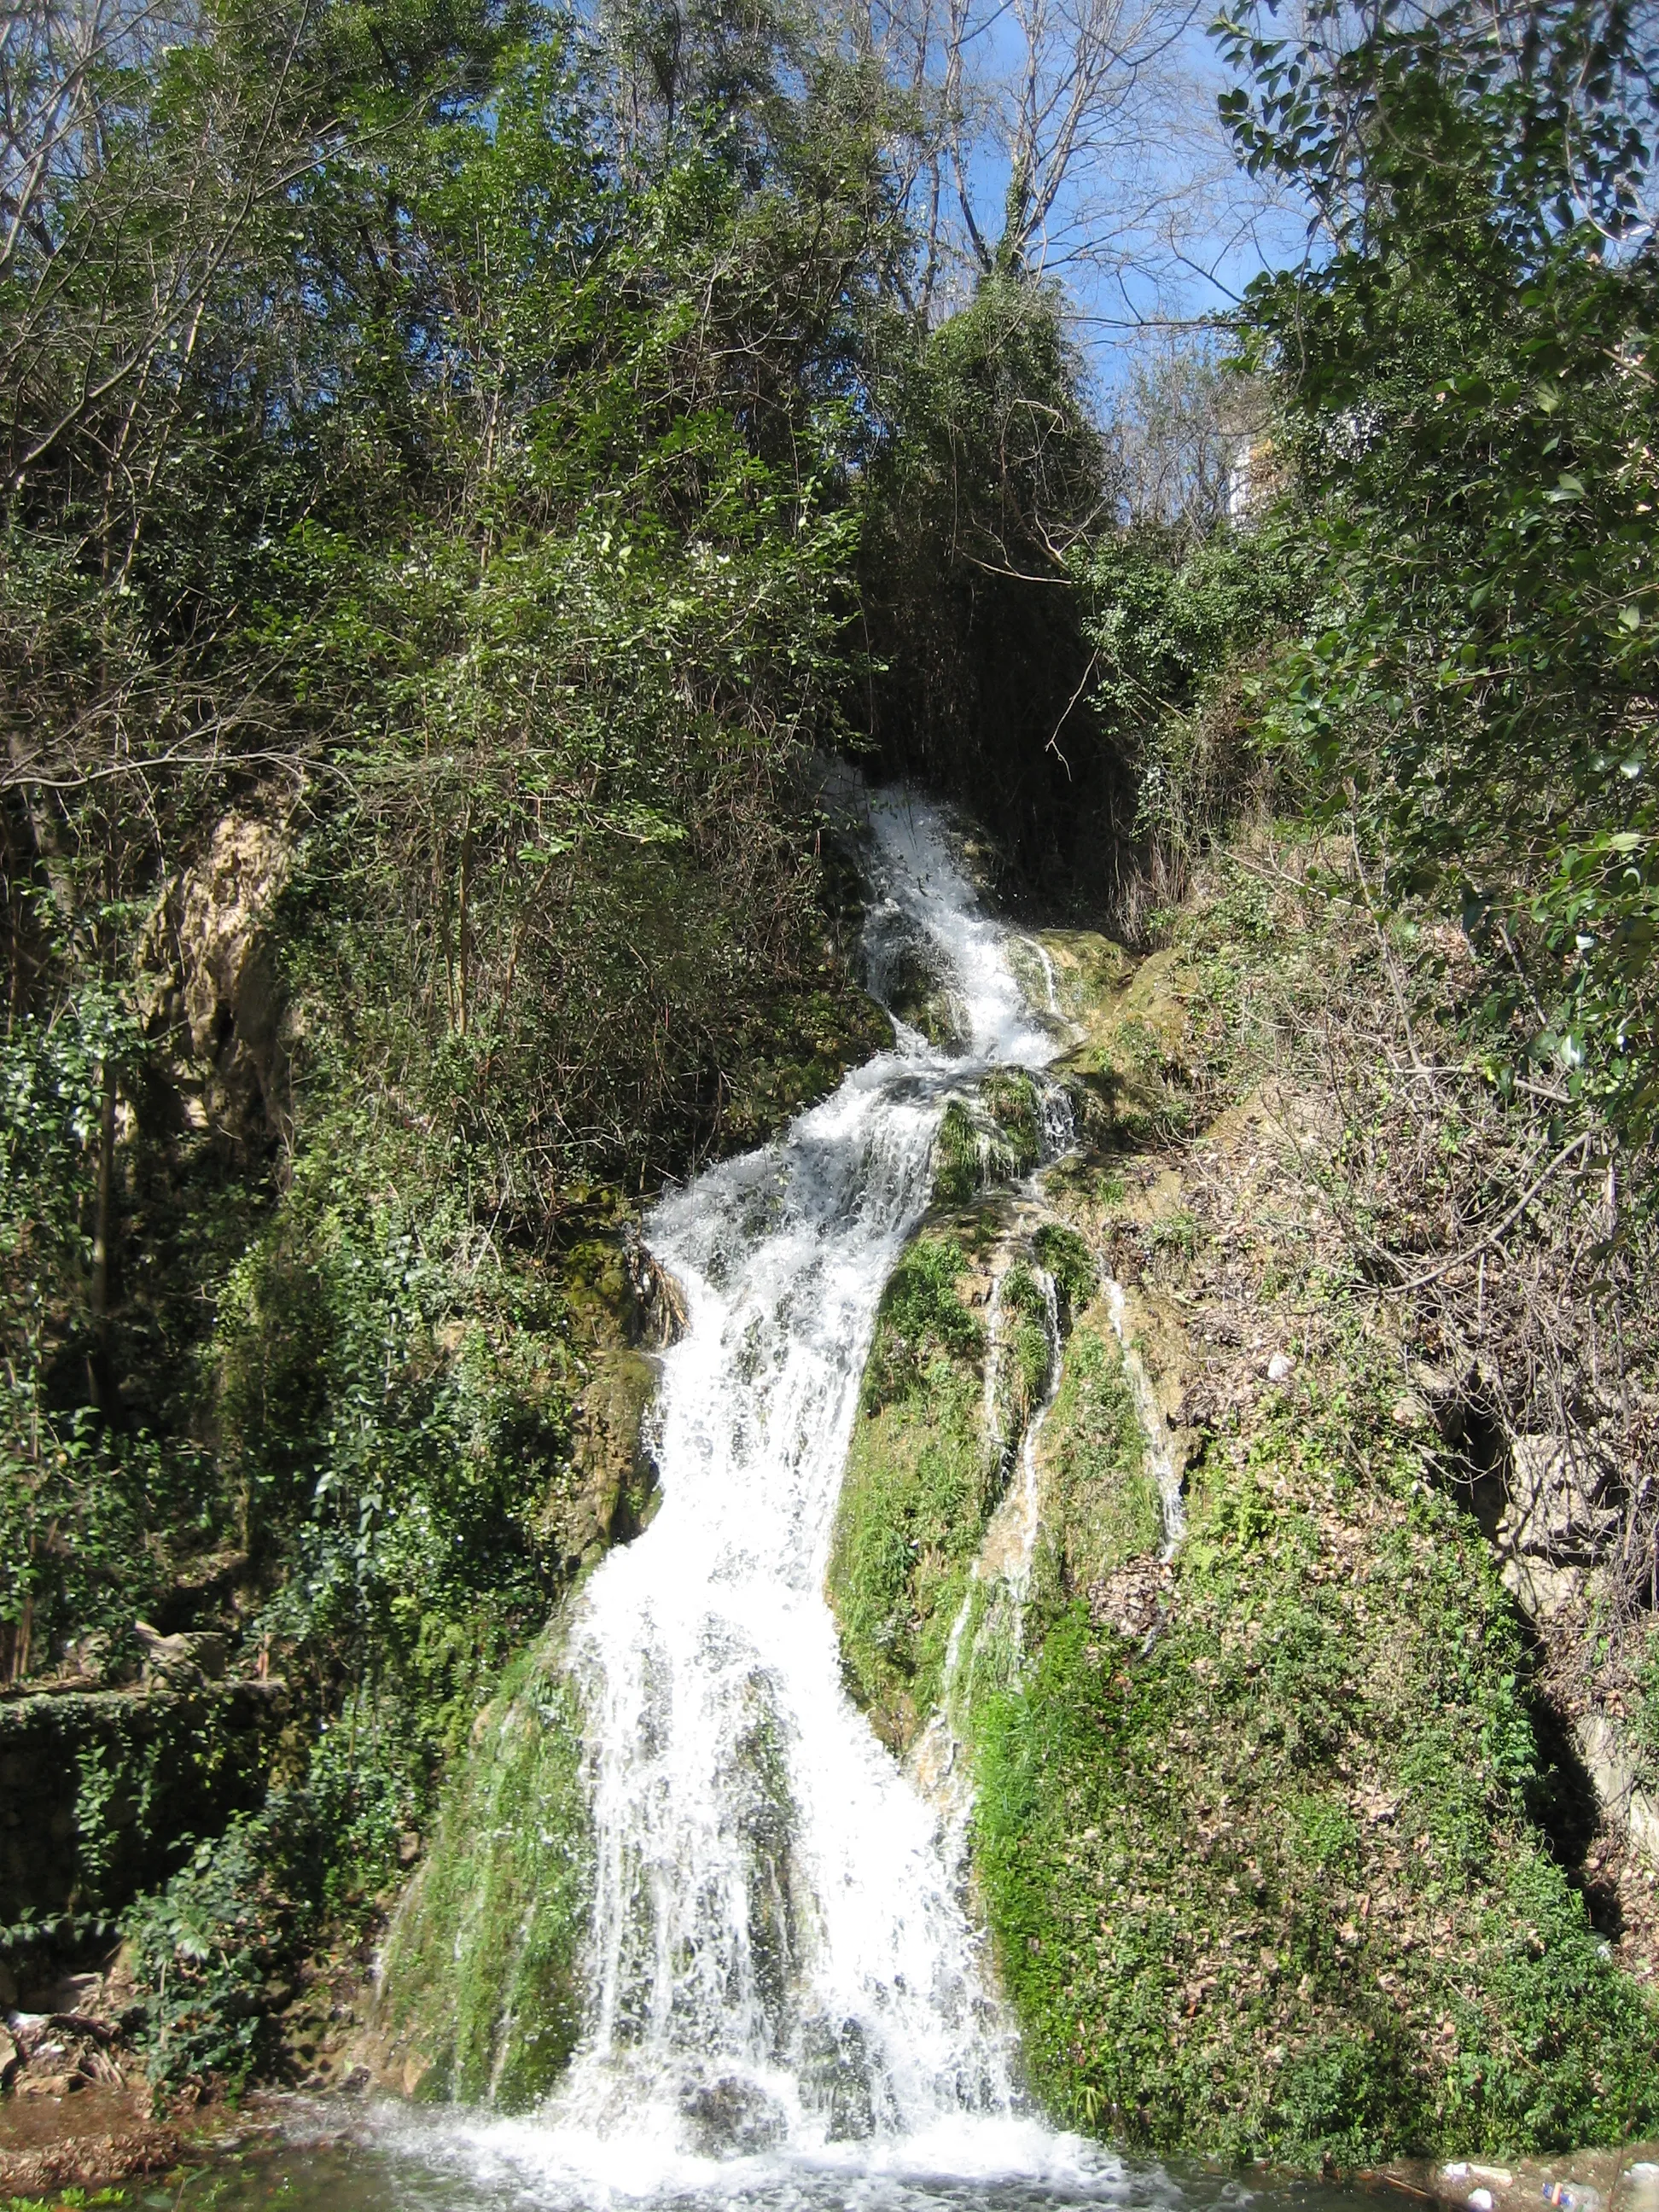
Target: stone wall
103,1792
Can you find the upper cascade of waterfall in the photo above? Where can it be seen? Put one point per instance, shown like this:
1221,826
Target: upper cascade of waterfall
781,1963
919,894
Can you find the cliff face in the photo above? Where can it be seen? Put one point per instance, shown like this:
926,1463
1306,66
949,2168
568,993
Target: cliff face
1284,1834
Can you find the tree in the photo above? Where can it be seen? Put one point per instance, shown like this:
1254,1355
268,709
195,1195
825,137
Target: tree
1467,371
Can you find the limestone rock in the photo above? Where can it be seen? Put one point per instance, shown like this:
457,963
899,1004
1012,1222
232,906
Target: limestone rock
181,1660
616,1475
1555,1509
1600,1745
226,985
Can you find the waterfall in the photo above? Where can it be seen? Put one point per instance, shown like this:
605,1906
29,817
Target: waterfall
781,1954
780,1962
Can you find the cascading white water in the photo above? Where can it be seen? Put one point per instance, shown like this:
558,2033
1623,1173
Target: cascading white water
780,1952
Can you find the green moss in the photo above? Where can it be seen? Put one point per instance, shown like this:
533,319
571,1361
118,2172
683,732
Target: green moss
483,1981
921,1319
1270,1888
921,997
1024,1350
997,1139
958,1163
1067,1258
1010,1097
919,1487
1099,1505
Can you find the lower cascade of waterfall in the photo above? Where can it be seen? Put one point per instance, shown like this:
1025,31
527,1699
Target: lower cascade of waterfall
782,1974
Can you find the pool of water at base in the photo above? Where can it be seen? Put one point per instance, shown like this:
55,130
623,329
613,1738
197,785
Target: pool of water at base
393,2160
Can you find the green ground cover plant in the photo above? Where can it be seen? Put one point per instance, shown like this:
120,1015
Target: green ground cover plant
995,1138
1099,1505
1272,1884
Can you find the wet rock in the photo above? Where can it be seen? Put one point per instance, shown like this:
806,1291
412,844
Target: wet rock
656,1301
616,1477
837,2076
733,2115
908,974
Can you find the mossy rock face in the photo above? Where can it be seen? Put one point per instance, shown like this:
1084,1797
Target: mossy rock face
990,1141
1089,971
484,1995
614,1491
793,1055
915,985
927,1468
1266,1883
921,1479
1128,1067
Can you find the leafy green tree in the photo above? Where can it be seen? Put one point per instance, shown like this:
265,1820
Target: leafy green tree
1467,371
396,455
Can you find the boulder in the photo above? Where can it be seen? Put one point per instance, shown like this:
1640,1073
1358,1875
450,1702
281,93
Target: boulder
182,1661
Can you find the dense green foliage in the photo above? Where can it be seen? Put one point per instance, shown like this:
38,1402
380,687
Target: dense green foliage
1180,632
430,513
1468,383
465,467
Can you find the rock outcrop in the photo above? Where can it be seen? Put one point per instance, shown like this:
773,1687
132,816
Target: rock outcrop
223,993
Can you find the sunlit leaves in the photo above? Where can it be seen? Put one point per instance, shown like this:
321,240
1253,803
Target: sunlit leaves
1470,390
